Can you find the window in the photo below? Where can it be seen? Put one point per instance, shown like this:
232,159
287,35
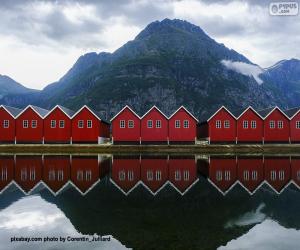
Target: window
219,175
254,175
158,175
25,123
226,124
3,176
51,175
122,123
281,175
6,124
297,124
186,124
245,124
53,124
227,175
253,124
130,175
24,174
32,174
130,124
89,123
79,175
149,175
80,124
186,175
246,175
88,175
60,175
280,124
61,124
218,124
34,123
158,123
149,124
122,175
177,175
177,123
273,175
272,124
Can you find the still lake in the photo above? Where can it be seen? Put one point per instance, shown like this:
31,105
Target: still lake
149,202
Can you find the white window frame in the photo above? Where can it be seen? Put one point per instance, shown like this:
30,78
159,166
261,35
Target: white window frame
226,124
149,123
25,124
53,123
158,123
245,124
297,124
280,124
80,124
130,123
272,124
34,124
186,124
122,124
218,124
89,124
253,124
6,124
177,123
61,123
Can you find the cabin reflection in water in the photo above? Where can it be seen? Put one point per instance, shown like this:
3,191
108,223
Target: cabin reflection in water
57,172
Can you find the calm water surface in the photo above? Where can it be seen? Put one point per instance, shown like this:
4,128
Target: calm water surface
149,202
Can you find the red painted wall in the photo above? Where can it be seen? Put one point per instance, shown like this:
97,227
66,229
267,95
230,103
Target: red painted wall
29,134
57,134
222,134
276,134
250,134
7,164
126,134
295,168
154,134
182,134
295,132
251,172
7,135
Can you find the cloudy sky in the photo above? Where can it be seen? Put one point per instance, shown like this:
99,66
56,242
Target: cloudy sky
41,40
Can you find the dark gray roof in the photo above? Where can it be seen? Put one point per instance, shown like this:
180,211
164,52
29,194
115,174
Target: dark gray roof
238,112
42,112
264,112
291,112
99,116
206,116
69,112
13,111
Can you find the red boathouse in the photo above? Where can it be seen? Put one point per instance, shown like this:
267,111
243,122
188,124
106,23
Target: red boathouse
126,127
294,115
58,125
218,128
29,125
88,127
276,125
154,127
250,126
182,126
7,123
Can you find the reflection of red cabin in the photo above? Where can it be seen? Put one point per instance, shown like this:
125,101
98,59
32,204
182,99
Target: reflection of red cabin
182,126
29,125
220,127
249,126
6,171
126,126
7,123
294,115
295,168
56,172
154,173
88,127
154,126
182,173
277,172
276,125
84,172
251,172
223,172
126,173
58,125
28,172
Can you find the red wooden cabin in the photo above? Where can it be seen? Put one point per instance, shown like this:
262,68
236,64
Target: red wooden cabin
218,128
7,123
30,124
294,115
126,127
276,125
88,127
154,127
58,125
7,164
250,173
250,126
182,126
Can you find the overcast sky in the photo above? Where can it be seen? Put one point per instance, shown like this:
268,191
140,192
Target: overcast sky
41,40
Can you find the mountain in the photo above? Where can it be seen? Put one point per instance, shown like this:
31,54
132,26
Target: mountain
170,63
10,86
286,75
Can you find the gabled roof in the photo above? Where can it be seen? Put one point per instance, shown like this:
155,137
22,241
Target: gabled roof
182,107
40,111
95,113
126,107
223,107
292,112
240,112
266,112
65,110
154,107
11,110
